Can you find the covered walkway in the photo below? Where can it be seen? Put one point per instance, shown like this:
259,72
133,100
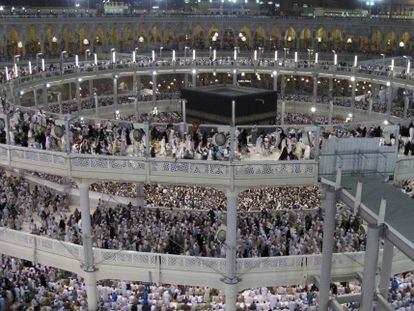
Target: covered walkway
399,212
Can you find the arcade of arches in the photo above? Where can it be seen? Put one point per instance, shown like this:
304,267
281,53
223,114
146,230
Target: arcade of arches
51,41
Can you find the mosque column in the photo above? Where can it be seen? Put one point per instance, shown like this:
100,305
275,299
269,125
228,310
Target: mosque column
389,99
282,114
78,101
331,110
88,257
7,127
184,110
16,96
230,278
186,79
371,260
154,86
68,142
137,89
91,87
96,103
353,97
370,267
194,78
45,102
138,83
134,82
115,91
147,131
283,86
406,105
59,98
91,290
70,90
370,104
274,80
330,87
329,206
140,194
386,268
35,97
315,88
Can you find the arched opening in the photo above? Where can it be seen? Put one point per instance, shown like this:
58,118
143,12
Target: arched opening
259,37
51,43
198,37
113,38
168,38
214,37
322,42
228,39
364,44
142,38
306,38
14,45
391,43
274,38
128,40
351,43
290,38
99,37
68,41
84,42
32,43
337,39
404,43
376,41
155,35
244,38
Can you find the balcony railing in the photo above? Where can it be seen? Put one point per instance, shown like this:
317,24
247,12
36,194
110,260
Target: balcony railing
404,168
176,268
167,66
162,170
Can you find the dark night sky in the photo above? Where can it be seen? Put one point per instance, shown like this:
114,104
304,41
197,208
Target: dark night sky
92,3
51,3
35,2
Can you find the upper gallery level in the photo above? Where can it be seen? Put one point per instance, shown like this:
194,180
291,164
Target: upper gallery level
29,36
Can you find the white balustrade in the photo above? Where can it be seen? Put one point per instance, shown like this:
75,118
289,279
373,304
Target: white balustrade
37,80
219,173
404,168
174,268
302,172
41,243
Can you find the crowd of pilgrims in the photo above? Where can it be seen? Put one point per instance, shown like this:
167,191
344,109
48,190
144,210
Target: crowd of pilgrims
202,198
28,286
362,103
71,106
407,186
184,232
379,105
267,232
105,137
36,129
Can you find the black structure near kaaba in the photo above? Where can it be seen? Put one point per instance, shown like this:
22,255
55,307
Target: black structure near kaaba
214,104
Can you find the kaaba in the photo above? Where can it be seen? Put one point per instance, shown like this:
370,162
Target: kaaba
214,104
